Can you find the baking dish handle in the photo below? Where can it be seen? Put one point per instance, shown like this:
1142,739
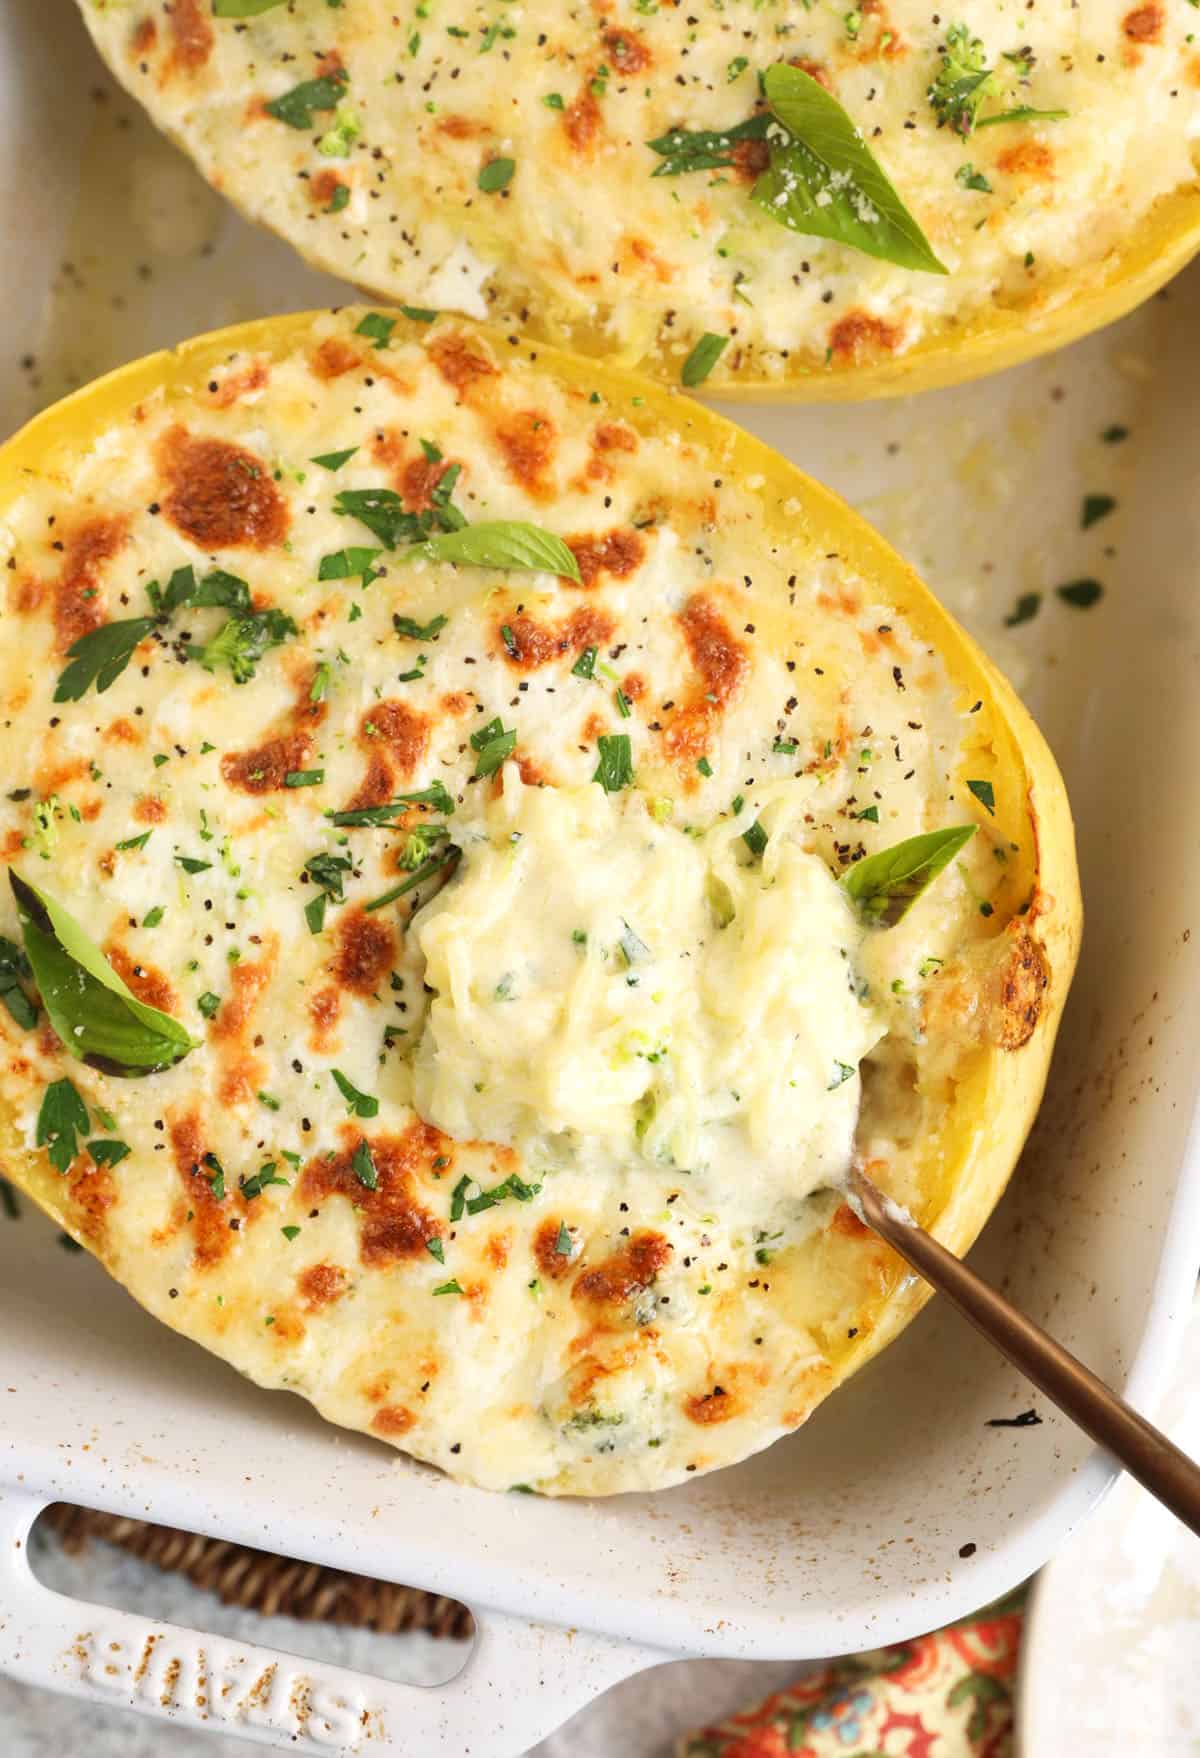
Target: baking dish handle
521,1681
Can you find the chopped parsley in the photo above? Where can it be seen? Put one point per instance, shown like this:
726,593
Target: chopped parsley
451,1287
1095,507
334,460
985,793
497,174
132,842
190,864
614,770
1024,611
378,327
493,745
255,1185
1081,594
109,1153
562,1245
585,665
755,839
414,631
62,1119
304,778
357,1103
216,1178
297,107
209,1003
702,359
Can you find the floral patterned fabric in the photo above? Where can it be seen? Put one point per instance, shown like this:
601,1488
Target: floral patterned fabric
949,1695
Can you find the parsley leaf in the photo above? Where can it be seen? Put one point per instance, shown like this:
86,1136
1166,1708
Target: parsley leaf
435,796
62,1119
14,966
357,1103
492,746
414,631
100,657
363,1166
615,768
109,1153
702,359
334,460
297,106
378,327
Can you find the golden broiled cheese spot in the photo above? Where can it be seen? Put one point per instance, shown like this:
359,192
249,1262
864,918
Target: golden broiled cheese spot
392,1419
627,50
93,1192
211,1232
717,1405
1023,981
149,809
235,385
722,666
333,358
528,440
78,606
552,1262
402,732
325,1010
242,1072
366,951
619,552
393,1225
859,333
265,768
1030,158
461,360
147,983
1145,23
143,37
750,160
191,35
628,1271
323,187
527,645
321,1285
583,121
218,494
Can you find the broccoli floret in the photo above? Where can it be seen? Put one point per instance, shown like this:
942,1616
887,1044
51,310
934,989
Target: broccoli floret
241,642
962,83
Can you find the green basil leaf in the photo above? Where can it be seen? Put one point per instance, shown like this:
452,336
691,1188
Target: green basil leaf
706,149
824,181
100,657
504,543
97,1017
885,886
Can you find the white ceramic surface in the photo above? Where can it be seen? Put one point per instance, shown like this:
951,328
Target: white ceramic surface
853,1531
1111,1655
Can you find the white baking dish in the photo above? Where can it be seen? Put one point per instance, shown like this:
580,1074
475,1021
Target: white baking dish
897,1508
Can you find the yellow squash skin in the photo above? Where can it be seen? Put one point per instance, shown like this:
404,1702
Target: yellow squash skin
641,268
998,1040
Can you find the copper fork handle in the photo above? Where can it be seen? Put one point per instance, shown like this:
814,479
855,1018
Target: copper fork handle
1142,1449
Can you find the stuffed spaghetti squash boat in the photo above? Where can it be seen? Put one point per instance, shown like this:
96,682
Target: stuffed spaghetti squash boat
796,202
489,843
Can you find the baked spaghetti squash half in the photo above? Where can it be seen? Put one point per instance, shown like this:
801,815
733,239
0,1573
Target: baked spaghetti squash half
488,842
777,201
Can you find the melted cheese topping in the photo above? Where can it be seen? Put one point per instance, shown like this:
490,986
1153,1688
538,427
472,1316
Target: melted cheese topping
609,990
570,1337
383,186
